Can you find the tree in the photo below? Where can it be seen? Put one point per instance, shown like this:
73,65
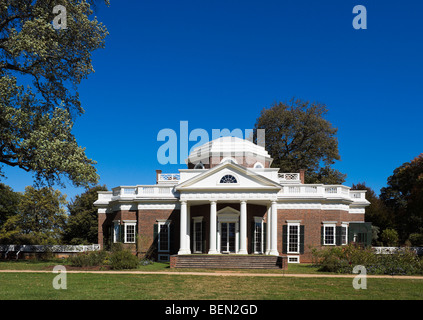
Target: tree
40,219
404,196
9,201
82,225
377,212
40,70
298,137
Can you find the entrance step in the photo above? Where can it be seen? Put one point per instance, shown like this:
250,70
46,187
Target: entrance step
224,261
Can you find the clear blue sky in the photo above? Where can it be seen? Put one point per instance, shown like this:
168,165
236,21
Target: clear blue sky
217,63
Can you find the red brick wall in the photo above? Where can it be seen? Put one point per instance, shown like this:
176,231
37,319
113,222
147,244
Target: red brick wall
312,220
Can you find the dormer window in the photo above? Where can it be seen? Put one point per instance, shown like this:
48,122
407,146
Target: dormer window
258,165
228,179
199,165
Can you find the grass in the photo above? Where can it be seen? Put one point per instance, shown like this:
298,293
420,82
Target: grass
84,286
38,286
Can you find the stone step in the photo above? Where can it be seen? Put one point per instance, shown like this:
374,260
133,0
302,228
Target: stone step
226,261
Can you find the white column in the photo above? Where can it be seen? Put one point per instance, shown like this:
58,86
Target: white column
243,229
183,229
274,237
268,229
212,245
188,239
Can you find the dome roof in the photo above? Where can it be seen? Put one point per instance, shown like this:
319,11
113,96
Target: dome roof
229,147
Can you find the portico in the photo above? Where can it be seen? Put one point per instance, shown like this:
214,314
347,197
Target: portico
228,227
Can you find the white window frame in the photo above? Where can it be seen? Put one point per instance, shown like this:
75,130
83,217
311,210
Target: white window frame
293,259
260,221
126,225
194,221
161,223
344,225
325,226
295,224
116,225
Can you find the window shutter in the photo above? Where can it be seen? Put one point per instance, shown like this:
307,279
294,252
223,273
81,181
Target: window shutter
122,233
203,236
172,241
338,236
301,239
322,236
252,237
156,235
284,239
264,236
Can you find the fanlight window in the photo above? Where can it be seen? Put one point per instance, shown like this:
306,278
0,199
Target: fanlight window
228,179
199,165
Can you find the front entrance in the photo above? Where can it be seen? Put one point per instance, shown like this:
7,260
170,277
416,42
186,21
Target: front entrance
228,237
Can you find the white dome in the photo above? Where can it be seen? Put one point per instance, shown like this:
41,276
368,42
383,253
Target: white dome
229,148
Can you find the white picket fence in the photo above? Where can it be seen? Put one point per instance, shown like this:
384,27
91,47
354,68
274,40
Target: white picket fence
26,248
389,250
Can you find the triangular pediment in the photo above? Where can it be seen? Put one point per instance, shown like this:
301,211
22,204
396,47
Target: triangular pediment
229,176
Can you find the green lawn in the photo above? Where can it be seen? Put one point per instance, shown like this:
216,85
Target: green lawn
169,287
159,287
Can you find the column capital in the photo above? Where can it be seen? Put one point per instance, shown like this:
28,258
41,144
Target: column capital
243,201
213,201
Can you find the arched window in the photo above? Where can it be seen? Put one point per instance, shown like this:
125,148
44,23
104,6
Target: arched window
199,165
258,165
228,179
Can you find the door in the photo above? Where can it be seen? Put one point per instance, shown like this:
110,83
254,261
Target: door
228,237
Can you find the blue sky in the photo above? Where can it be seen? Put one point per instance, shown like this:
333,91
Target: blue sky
217,63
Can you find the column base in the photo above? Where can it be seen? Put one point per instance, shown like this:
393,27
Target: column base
273,253
184,251
242,252
213,252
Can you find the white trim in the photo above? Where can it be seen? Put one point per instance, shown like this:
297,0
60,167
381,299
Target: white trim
294,224
258,165
228,159
258,220
196,220
125,226
297,258
328,224
161,222
344,225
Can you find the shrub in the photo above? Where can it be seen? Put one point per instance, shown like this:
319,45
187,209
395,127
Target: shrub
123,259
416,239
88,259
389,237
343,259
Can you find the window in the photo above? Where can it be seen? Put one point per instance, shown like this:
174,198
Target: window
130,232
258,235
228,179
293,259
163,236
199,165
293,238
344,234
329,234
124,231
116,231
198,235
258,165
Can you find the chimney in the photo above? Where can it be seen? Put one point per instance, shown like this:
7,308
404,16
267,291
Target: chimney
158,172
302,175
